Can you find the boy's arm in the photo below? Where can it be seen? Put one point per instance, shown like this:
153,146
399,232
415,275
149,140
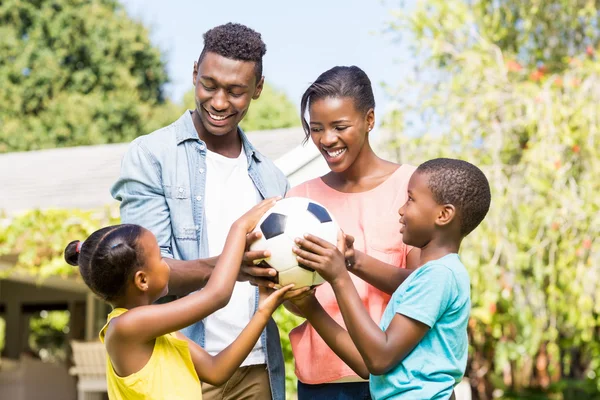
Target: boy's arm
422,303
380,350
336,337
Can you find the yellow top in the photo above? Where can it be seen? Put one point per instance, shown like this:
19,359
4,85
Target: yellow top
169,374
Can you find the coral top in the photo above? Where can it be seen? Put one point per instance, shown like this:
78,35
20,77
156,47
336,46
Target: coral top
372,218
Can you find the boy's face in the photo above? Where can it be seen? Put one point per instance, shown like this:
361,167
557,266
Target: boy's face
418,215
224,89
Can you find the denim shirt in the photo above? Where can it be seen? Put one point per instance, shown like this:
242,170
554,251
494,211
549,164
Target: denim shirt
162,188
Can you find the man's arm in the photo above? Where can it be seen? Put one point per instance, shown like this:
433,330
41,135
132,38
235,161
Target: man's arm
140,191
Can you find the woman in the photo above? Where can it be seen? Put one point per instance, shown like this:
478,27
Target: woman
364,193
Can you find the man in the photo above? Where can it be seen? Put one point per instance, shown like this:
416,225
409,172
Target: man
189,181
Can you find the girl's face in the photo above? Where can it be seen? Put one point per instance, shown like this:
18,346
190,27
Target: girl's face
339,130
157,272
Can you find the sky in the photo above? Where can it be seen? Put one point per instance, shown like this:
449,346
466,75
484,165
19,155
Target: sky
303,38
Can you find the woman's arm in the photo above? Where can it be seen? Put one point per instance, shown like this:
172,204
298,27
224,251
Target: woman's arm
383,276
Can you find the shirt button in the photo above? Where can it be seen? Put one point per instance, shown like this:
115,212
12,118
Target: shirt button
202,147
201,170
198,198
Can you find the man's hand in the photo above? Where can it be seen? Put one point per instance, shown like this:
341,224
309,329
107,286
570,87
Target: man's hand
257,275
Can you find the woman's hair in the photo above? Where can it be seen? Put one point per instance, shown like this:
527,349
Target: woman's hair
351,82
108,258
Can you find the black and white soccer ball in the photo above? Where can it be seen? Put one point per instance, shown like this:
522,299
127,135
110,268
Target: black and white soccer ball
291,218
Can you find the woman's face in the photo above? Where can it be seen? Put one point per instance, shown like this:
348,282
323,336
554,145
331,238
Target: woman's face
339,130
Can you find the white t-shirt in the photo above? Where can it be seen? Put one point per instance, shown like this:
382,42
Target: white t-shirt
229,194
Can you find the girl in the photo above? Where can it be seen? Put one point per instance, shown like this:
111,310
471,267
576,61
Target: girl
363,192
122,264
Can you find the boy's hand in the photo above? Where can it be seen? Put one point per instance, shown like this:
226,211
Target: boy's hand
320,255
249,220
269,300
304,300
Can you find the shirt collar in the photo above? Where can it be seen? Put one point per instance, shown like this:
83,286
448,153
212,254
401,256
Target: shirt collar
188,132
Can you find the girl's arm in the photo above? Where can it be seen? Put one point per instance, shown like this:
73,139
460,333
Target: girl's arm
216,370
380,350
145,323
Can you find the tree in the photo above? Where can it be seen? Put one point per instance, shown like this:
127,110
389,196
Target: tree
485,94
272,110
76,72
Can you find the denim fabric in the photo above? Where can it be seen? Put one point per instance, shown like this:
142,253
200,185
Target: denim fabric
161,187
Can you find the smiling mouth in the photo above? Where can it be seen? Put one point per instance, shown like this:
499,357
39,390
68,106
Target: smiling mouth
216,117
335,153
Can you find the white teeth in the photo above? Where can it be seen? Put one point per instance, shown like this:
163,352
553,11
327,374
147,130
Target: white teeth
217,117
335,153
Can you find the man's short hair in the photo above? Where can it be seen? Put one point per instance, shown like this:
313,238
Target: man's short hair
237,42
461,184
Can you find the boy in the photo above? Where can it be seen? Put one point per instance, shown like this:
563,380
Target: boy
420,349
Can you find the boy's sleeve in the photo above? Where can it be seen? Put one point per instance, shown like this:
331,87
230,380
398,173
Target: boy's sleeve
427,295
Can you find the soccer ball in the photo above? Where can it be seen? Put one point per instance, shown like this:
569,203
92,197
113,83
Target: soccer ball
291,218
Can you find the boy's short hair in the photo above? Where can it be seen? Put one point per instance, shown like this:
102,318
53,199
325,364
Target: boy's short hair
237,42
461,184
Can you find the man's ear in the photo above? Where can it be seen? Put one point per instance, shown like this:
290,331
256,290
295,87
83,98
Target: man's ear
195,73
140,280
259,88
446,214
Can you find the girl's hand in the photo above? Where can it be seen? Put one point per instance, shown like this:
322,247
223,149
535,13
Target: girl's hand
269,299
320,255
249,220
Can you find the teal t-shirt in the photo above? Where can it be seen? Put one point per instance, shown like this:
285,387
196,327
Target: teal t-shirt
437,294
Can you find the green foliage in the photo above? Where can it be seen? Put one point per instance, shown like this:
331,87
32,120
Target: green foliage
76,72
272,110
535,261
48,337
40,237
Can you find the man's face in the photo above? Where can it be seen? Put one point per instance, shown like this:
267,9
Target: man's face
224,89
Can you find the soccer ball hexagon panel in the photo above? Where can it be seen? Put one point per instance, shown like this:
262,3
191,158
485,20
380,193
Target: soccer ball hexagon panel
288,219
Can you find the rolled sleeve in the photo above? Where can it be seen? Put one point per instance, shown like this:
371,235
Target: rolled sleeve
139,189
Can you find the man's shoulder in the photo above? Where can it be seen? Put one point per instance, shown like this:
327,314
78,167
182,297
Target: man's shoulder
159,142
